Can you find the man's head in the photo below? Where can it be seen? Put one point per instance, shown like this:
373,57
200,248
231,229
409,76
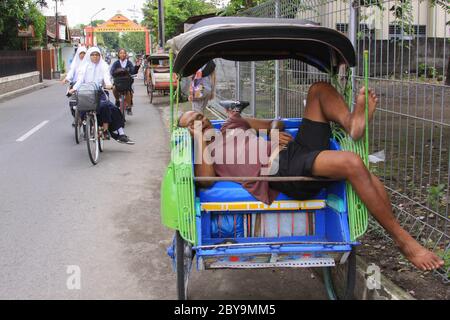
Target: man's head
188,119
122,54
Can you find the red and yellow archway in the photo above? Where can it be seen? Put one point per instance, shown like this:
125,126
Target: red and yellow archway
118,23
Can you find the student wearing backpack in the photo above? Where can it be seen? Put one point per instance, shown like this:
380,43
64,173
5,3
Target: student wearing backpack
202,87
123,67
95,70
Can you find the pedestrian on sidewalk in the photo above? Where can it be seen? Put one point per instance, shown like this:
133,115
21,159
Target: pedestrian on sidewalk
202,87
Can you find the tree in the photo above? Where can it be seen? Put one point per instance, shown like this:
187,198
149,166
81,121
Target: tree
15,14
133,41
234,6
175,13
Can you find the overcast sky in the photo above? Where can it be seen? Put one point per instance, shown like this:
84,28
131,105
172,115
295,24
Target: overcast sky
81,11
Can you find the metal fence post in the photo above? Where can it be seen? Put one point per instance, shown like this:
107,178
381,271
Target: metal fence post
277,69
253,81
353,36
237,87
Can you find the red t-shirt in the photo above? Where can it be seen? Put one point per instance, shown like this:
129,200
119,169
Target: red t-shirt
247,155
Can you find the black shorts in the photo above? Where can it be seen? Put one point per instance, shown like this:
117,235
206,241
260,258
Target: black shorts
298,158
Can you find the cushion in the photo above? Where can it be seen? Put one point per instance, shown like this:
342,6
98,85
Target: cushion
227,191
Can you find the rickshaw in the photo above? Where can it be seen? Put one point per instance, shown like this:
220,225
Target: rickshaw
217,225
157,74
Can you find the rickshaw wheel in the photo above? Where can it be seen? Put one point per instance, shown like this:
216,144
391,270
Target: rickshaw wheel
150,92
183,257
345,271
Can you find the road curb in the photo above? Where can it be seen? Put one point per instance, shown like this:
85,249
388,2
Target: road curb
387,290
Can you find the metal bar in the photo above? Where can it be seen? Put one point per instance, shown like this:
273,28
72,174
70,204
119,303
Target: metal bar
352,34
269,178
253,83
230,245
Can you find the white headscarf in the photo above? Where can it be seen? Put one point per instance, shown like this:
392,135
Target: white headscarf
93,72
76,63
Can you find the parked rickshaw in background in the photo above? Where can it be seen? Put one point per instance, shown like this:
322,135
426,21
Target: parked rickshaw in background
157,77
217,225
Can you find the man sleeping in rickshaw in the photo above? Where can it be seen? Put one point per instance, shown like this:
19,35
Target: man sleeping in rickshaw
307,155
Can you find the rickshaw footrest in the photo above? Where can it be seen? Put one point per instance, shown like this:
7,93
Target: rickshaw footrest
298,263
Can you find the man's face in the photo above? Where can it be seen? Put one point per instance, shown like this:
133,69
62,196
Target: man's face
189,118
95,57
122,55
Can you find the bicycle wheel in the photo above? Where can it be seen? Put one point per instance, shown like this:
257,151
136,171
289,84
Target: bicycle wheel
123,107
100,141
78,127
183,257
92,137
150,90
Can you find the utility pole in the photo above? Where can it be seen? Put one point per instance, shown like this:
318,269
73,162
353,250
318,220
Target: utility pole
56,35
161,23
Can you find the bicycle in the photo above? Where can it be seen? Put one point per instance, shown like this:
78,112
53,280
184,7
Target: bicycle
93,132
78,124
94,137
123,85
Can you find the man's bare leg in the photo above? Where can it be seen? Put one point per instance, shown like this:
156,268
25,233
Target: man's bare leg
324,104
348,166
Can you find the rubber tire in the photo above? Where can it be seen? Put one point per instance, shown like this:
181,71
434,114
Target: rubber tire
78,127
350,275
151,92
92,133
101,146
183,265
123,107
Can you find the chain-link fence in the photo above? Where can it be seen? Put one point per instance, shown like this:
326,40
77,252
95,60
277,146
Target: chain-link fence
408,42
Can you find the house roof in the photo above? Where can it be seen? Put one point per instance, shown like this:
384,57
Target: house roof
50,22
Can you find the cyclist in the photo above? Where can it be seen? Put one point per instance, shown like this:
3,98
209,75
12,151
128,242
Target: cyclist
72,75
95,69
119,67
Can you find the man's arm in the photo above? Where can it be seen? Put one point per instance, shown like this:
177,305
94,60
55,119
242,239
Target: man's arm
258,124
206,167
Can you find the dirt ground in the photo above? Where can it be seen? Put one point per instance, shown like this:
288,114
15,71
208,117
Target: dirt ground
376,248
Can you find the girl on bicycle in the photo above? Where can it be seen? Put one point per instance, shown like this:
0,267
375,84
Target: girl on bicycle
72,75
120,66
95,69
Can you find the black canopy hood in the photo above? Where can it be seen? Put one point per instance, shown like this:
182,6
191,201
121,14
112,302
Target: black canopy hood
256,39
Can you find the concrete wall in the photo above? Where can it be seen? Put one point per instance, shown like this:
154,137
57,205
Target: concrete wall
16,82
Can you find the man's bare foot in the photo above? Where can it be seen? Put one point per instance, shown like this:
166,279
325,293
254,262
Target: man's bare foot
419,256
358,117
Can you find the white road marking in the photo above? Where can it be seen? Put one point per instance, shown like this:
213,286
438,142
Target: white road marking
29,133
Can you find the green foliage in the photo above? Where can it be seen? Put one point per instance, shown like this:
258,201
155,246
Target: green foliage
435,193
234,6
427,71
63,66
110,40
95,23
175,13
133,41
16,14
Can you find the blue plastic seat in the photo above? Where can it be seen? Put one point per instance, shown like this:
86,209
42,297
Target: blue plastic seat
227,191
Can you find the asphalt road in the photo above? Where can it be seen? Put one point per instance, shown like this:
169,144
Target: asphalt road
61,218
